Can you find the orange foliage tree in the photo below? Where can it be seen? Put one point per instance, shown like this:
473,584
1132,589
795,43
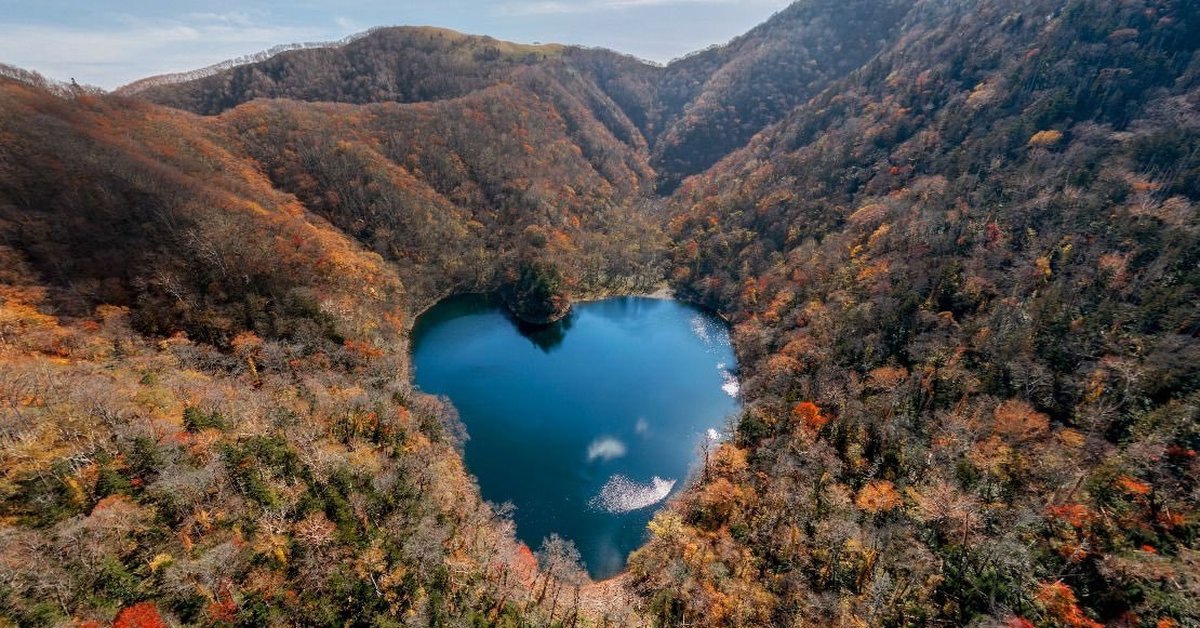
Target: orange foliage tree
878,496
1017,421
808,414
141,615
1059,601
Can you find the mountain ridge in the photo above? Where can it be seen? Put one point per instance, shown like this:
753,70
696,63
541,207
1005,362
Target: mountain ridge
133,87
677,107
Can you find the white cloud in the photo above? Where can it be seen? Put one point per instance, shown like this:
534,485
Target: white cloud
131,48
606,448
556,7
238,18
621,495
349,25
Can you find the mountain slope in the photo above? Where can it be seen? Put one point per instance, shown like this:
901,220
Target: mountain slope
716,100
469,186
688,114
964,281
402,64
207,411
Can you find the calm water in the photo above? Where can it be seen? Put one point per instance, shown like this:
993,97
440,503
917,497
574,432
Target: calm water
585,426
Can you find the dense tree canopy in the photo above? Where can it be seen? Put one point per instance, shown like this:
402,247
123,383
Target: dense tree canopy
206,406
964,284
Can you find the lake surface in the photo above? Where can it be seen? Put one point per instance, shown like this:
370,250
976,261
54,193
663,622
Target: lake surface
585,426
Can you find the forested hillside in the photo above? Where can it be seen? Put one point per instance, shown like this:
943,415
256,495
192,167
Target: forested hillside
403,64
965,287
208,414
460,192
714,101
958,241
689,113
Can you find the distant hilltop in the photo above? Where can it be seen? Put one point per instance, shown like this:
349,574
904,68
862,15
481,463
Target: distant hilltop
141,85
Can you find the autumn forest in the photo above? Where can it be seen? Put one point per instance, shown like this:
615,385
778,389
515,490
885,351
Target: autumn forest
958,243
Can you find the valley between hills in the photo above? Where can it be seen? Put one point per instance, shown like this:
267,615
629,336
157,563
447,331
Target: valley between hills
958,244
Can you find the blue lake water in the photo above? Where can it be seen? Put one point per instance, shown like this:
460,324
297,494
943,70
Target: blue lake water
585,426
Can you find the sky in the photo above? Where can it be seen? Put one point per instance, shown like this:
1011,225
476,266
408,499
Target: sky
109,43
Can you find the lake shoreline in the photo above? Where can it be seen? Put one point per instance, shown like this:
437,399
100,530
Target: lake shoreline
663,291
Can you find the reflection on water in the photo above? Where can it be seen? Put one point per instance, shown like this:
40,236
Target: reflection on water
587,424
545,337
620,494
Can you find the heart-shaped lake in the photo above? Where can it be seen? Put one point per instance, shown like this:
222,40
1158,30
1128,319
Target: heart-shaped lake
586,426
